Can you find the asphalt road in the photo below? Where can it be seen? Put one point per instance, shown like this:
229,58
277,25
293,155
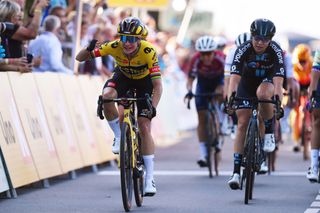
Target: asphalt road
182,186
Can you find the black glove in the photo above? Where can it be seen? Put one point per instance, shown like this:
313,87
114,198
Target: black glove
100,108
92,45
280,114
189,95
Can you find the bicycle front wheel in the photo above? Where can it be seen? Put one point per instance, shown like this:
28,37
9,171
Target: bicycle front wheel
248,173
126,166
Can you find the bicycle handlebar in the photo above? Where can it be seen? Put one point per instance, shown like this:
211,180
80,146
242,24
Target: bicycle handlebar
101,101
255,101
208,95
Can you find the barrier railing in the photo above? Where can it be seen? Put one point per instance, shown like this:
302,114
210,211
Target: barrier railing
49,125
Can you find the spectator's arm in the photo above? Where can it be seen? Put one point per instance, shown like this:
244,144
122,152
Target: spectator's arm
31,30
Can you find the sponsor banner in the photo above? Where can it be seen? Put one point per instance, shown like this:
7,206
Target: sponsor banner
13,141
139,3
91,88
35,124
59,120
80,120
4,186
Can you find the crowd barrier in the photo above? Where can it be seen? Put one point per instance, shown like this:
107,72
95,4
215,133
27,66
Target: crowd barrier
49,125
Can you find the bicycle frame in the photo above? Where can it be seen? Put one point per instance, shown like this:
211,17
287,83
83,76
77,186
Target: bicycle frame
131,172
253,154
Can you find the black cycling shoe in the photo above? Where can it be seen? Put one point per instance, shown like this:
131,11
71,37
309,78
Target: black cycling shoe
202,163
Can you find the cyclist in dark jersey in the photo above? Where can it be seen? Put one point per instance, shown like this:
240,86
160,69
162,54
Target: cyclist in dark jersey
207,65
257,71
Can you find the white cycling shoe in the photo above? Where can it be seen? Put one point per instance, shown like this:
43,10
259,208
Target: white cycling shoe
269,142
150,188
312,175
234,181
116,146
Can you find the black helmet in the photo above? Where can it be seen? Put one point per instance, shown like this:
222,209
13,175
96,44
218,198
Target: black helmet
131,26
263,27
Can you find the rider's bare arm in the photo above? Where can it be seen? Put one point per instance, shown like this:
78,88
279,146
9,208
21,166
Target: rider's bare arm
157,91
233,84
84,55
278,82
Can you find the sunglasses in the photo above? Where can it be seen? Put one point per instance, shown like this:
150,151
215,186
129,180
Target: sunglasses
130,39
263,39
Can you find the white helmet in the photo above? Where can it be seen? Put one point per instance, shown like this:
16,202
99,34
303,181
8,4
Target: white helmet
220,41
243,37
205,44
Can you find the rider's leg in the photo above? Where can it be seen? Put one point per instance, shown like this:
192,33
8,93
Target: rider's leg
147,148
202,133
265,92
243,121
315,135
112,116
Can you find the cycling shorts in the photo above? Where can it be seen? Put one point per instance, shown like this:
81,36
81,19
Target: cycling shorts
123,84
248,89
317,106
206,86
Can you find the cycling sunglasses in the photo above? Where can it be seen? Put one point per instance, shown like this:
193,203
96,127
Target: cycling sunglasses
258,38
130,39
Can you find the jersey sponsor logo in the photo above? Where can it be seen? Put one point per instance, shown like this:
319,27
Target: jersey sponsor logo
111,84
240,52
115,44
278,51
154,69
147,50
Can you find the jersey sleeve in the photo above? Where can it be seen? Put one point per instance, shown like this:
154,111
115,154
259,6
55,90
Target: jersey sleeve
237,62
316,62
228,62
106,49
152,61
279,67
288,65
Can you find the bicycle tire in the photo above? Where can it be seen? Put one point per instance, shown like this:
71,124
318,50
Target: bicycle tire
209,143
249,166
126,166
215,142
138,179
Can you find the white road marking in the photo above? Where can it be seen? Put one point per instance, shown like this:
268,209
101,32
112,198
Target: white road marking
199,173
312,210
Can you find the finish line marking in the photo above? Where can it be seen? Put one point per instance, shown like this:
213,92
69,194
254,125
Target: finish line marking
199,173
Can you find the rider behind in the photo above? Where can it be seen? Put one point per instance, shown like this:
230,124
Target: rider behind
207,66
241,38
257,71
136,67
312,174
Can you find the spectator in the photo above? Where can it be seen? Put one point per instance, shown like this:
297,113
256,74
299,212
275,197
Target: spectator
13,42
49,48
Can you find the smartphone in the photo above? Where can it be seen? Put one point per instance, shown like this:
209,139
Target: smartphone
29,58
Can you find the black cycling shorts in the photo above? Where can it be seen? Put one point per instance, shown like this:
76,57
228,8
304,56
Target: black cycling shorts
123,84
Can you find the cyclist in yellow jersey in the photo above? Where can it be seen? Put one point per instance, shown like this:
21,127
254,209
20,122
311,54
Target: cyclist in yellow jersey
136,67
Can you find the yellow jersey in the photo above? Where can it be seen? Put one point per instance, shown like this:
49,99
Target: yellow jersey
143,63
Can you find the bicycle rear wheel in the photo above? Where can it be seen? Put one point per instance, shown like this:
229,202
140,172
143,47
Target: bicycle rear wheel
126,166
138,179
